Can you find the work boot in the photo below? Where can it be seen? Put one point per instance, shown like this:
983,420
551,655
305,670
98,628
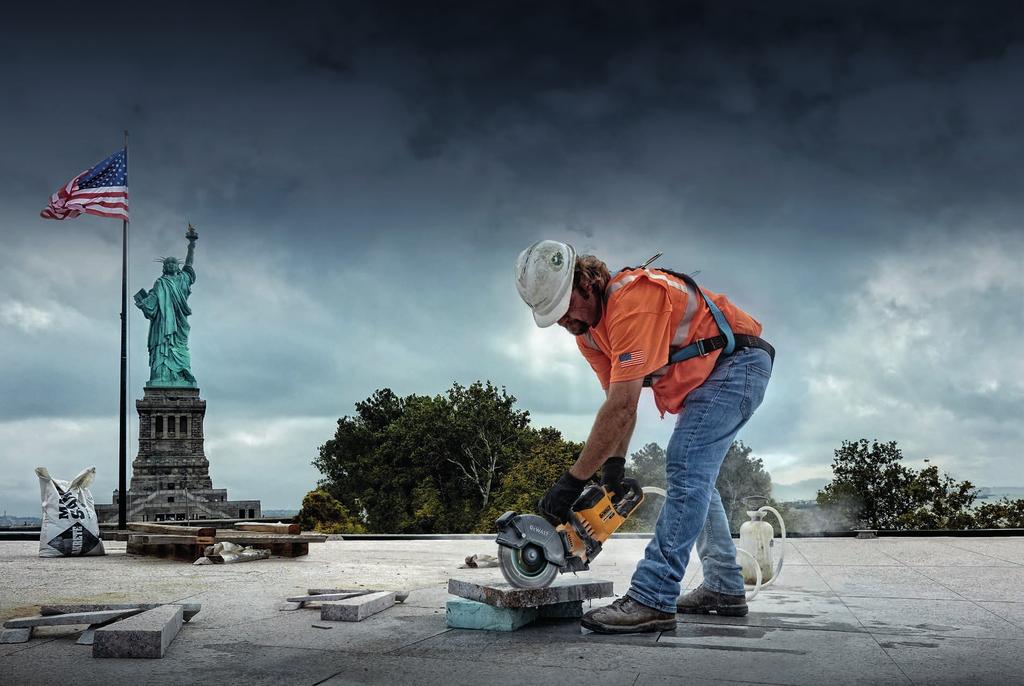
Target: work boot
627,616
701,601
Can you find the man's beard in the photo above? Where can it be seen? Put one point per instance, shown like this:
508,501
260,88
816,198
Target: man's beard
577,327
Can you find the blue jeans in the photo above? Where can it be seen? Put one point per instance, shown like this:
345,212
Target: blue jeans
713,414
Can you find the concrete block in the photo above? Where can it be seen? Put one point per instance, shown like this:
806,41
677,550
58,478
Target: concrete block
507,596
16,635
469,614
570,610
73,618
356,609
189,610
146,635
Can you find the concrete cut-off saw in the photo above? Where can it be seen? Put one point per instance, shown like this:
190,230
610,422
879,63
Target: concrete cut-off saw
532,552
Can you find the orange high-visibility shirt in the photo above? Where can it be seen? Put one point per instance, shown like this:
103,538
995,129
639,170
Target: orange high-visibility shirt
649,314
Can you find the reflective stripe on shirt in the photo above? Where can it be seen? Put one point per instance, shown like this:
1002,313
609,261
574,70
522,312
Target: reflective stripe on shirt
682,333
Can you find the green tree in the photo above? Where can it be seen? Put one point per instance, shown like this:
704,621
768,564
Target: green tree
871,488
547,456
321,512
869,485
939,502
422,464
490,434
1002,514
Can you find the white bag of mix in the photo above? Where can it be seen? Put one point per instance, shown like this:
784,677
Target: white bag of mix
69,524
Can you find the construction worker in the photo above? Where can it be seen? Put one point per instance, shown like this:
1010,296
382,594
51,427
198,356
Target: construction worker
627,326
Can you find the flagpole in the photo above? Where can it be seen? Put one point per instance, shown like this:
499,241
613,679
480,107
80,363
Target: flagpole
122,487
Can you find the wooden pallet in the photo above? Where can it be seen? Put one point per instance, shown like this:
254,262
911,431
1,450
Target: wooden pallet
185,552
188,544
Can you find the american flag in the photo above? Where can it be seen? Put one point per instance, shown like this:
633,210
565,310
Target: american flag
632,359
101,190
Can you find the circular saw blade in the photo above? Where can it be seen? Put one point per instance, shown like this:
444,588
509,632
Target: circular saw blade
526,567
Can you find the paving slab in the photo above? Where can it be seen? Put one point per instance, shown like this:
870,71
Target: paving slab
356,609
426,671
935,553
209,663
788,656
145,635
506,595
1011,612
883,582
960,618
941,661
1006,549
997,583
789,610
845,551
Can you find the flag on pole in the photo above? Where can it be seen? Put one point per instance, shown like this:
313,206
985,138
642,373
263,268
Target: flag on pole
101,190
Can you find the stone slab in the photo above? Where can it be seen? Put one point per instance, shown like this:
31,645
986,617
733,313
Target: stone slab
507,596
71,618
324,597
356,609
189,610
461,613
16,635
145,635
400,596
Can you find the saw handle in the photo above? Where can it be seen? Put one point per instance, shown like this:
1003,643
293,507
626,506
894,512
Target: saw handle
631,499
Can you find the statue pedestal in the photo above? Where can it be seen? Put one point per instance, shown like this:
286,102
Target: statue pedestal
171,475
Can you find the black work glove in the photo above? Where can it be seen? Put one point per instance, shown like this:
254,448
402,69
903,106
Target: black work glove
612,475
555,504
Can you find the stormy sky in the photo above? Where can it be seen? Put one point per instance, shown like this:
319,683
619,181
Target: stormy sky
362,176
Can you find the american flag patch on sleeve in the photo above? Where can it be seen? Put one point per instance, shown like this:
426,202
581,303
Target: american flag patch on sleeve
632,359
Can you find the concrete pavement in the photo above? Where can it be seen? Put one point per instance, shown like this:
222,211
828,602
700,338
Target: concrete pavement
883,611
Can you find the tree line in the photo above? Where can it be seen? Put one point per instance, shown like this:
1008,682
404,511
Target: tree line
454,462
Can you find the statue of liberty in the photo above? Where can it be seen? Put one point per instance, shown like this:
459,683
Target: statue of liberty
166,308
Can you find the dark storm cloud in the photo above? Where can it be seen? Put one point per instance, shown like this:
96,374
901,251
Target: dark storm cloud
363,175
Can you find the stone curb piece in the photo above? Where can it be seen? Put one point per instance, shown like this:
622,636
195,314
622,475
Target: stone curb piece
146,635
356,609
189,610
400,596
507,596
72,618
324,597
16,635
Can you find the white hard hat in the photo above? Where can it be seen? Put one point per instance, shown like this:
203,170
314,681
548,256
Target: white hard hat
544,273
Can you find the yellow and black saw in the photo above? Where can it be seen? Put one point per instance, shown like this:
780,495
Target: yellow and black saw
532,552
